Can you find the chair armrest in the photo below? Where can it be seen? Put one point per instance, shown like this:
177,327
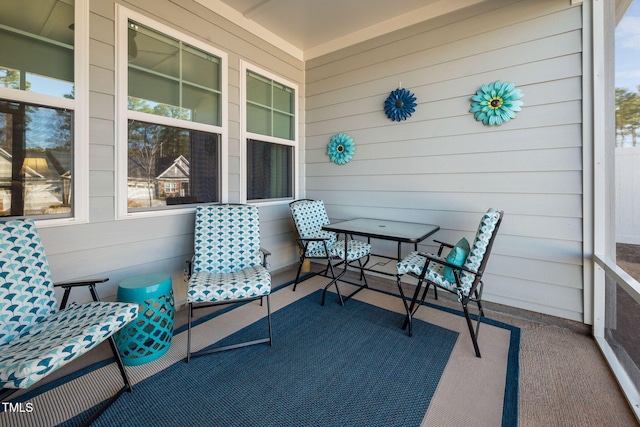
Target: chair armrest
441,243
442,246
313,239
67,286
189,269
265,254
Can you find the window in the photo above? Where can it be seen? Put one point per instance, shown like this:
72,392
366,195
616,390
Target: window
37,109
271,136
174,116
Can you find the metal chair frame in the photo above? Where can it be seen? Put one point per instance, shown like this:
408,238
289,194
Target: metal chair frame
303,244
474,295
192,306
127,387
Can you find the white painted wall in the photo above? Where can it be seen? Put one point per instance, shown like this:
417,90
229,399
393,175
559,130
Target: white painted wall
443,167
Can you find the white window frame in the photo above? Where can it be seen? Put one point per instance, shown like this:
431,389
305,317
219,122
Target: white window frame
245,135
123,15
80,107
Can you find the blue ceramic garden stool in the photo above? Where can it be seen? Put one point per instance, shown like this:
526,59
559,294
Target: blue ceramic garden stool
149,337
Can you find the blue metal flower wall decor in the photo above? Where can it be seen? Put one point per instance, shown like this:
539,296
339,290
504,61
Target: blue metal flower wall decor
496,103
400,104
341,148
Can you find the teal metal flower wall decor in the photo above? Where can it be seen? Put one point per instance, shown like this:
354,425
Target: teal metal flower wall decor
341,148
400,104
496,103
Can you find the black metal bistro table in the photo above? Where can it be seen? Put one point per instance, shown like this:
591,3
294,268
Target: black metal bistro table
398,231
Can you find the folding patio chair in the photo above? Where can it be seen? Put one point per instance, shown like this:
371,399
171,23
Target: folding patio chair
228,265
315,243
460,272
37,338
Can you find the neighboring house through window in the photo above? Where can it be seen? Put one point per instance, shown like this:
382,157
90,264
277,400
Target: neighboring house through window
271,135
174,118
38,103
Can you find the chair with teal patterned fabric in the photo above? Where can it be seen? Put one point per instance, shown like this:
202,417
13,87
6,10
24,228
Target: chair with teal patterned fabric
315,243
37,338
460,272
228,265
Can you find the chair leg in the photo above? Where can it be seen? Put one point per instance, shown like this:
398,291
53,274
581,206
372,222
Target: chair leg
269,319
363,277
475,296
127,385
5,393
472,332
332,282
302,258
266,340
411,309
324,292
123,371
189,315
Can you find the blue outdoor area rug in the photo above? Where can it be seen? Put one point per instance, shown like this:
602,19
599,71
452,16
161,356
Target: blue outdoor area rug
328,366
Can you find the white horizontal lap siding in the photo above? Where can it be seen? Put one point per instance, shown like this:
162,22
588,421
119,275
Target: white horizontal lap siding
441,166
117,249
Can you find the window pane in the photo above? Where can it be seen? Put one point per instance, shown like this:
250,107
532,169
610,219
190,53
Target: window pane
283,126
36,160
283,98
170,78
153,51
152,90
258,89
171,166
258,119
269,170
201,68
201,104
31,59
270,107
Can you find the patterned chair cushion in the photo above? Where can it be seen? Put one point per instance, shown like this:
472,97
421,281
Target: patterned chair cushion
227,262
414,262
59,339
25,278
309,217
226,238
213,287
356,249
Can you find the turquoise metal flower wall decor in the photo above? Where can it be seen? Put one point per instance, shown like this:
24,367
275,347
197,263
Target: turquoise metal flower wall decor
400,104
496,103
341,148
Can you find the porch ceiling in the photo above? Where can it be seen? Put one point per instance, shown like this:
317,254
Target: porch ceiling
311,27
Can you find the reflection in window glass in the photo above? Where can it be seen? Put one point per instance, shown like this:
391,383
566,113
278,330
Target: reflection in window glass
169,78
269,170
37,48
36,160
270,107
171,166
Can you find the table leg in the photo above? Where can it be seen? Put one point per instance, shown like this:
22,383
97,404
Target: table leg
342,273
